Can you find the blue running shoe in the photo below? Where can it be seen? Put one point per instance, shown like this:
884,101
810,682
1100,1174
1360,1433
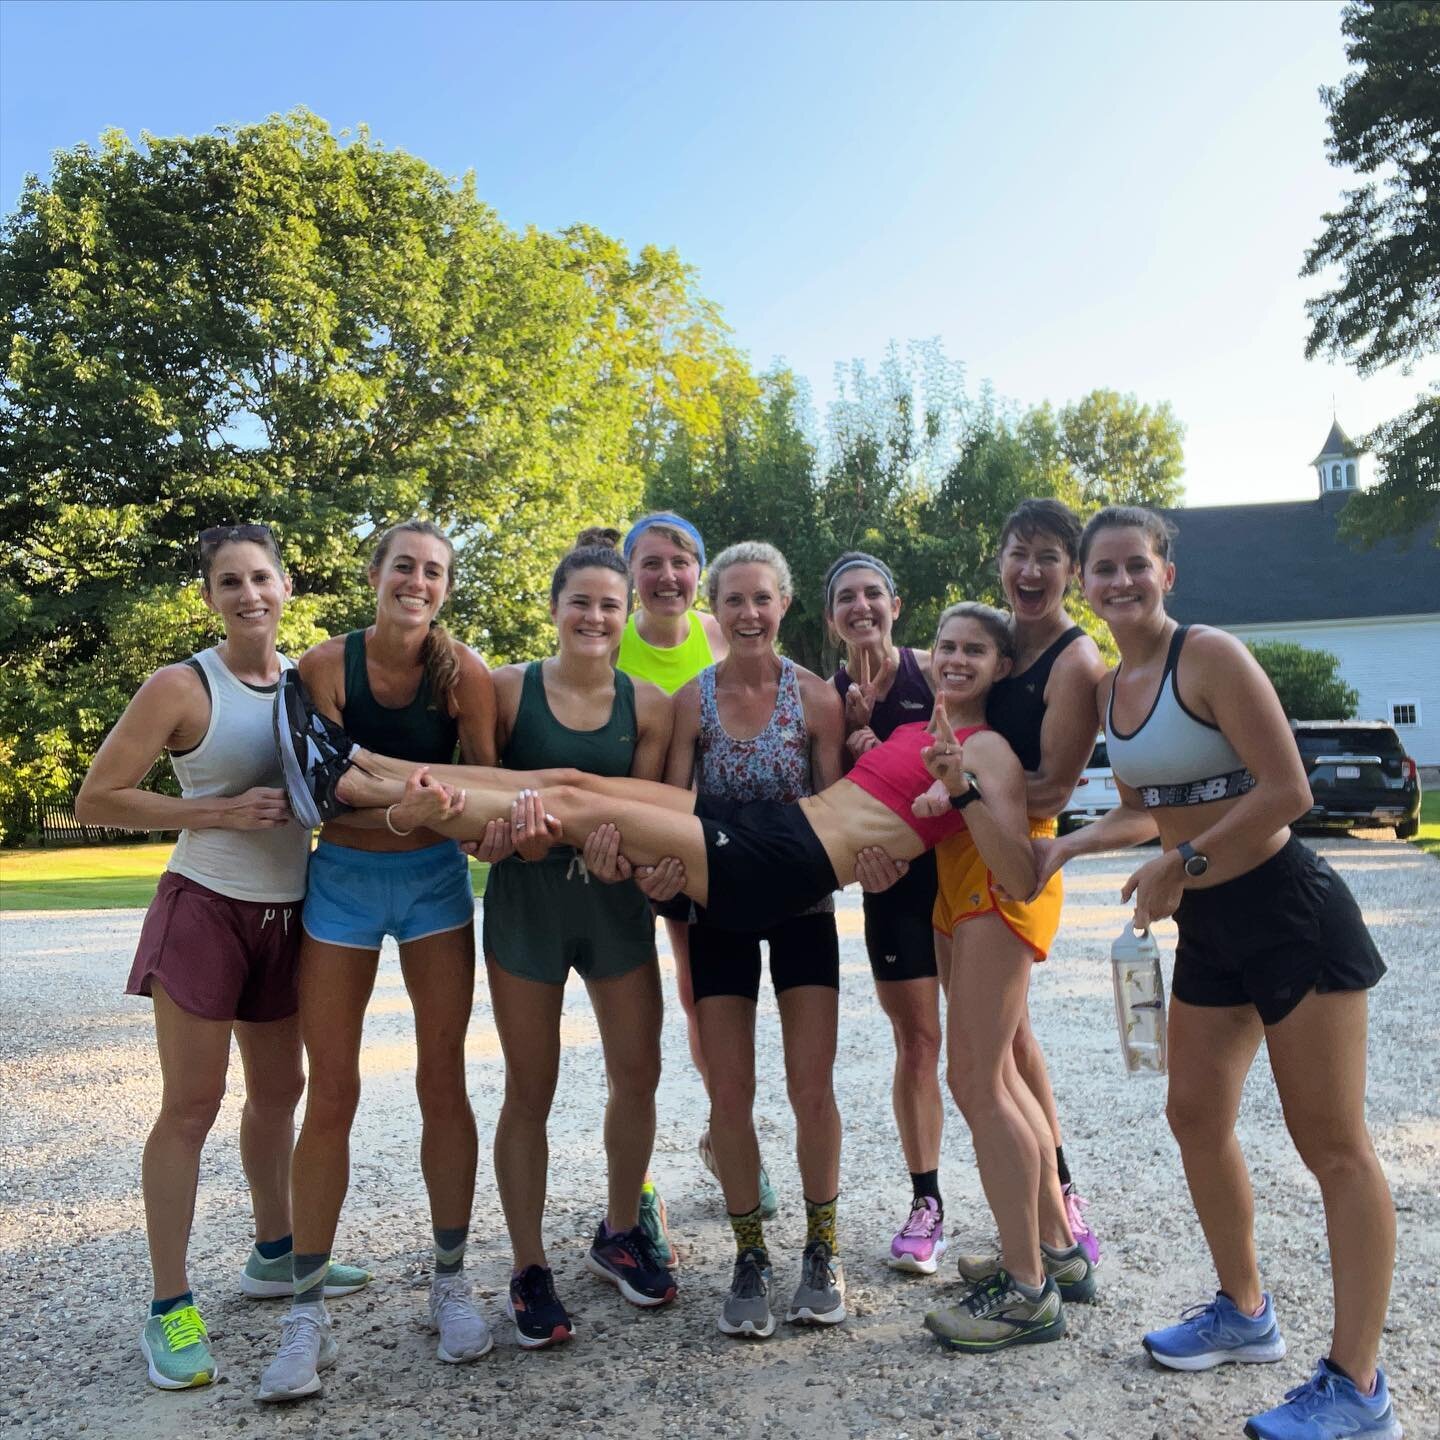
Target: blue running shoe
1328,1406
1216,1334
540,1319
628,1262
656,1227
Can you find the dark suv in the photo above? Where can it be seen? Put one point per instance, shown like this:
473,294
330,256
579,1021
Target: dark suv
1359,774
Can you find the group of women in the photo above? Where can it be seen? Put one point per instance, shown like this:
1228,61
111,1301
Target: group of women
666,759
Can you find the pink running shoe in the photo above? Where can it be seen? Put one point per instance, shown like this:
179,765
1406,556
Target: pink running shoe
921,1241
1085,1237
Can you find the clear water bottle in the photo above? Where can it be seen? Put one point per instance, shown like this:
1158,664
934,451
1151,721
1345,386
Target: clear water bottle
1139,1001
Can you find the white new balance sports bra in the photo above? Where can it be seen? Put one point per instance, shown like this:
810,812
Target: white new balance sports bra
1162,758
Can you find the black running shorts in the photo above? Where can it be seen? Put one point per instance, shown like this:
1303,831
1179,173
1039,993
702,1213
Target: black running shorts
804,950
899,928
1269,937
766,863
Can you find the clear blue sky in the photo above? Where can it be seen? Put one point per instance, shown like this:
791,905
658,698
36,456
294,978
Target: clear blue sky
1068,195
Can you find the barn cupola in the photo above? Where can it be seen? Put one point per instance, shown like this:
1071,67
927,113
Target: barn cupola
1338,463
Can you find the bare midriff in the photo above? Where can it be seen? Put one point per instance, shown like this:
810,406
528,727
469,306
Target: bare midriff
1239,857
846,819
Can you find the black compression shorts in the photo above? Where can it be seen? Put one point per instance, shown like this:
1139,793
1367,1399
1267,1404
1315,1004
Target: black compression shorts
899,925
804,950
766,863
1269,937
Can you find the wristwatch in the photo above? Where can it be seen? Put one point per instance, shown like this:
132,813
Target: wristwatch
959,802
1196,864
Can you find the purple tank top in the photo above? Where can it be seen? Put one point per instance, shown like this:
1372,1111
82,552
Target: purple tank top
908,699
774,765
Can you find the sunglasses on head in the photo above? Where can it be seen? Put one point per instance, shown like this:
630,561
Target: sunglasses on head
218,535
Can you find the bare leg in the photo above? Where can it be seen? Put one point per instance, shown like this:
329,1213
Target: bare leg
193,1058
1030,1061
527,1017
913,1007
628,1012
989,975
335,986
274,1082
679,933
727,1034
439,974
1318,1056
809,1015
1211,1050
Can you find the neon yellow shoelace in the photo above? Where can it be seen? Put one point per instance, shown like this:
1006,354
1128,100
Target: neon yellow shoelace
183,1327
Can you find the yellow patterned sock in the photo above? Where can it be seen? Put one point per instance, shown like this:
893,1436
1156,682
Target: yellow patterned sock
820,1222
749,1230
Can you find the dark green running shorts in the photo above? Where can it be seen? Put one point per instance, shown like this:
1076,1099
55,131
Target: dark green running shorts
543,918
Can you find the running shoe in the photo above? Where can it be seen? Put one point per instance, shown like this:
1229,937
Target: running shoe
175,1349
995,1314
1217,1334
263,1279
1327,1406
820,1295
306,1348
921,1241
540,1319
747,1307
1085,1237
1070,1269
656,1227
314,753
629,1264
769,1200
454,1316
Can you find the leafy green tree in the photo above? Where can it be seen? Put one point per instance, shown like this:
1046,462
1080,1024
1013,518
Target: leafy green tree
1307,681
274,322
1383,245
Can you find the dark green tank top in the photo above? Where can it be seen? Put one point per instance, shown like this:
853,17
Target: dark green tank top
538,741
420,731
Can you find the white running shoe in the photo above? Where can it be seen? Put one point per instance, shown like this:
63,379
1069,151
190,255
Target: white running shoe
307,1346
464,1335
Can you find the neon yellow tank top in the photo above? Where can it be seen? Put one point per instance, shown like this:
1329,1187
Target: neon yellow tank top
669,669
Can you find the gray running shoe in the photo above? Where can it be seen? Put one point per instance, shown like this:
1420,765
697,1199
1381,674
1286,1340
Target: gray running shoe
1071,1270
820,1296
995,1314
747,1307
306,1348
464,1335
314,753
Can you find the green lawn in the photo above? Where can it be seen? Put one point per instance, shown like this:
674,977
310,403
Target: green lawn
98,877
1429,837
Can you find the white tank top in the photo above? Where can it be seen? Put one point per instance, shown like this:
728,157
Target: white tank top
238,753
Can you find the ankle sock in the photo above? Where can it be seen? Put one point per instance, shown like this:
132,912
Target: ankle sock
164,1307
450,1248
310,1272
1061,1166
1058,1252
926,1185
749,1230
274,1249
820,1221
1030,1292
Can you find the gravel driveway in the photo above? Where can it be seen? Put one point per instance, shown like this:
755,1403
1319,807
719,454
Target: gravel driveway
78,1087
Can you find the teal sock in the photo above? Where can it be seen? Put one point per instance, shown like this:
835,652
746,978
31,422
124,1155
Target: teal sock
274,1249
164,1307
310,1272
450,1249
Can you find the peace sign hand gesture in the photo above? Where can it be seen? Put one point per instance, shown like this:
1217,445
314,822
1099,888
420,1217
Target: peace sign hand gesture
945,757
865,690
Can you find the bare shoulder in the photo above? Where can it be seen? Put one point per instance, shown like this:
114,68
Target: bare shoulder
924,660
509,678
713,632
650,699
326,658
1080,659
817,693
471,662
173,688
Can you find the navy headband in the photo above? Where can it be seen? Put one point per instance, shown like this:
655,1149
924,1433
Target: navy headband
673,522
857,560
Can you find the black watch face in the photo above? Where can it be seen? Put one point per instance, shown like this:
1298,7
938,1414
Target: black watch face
1196,866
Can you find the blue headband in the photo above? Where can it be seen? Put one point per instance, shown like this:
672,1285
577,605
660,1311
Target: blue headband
675,522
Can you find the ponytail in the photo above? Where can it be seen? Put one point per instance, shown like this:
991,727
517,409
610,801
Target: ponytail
442,666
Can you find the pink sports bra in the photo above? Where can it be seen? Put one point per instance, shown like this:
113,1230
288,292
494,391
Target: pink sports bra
894,774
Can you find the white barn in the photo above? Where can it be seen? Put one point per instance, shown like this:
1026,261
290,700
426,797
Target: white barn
1280,571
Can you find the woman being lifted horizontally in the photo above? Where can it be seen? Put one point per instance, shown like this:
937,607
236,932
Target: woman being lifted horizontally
221,941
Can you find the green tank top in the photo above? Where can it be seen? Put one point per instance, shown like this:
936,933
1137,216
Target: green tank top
669,669
538,741
420,731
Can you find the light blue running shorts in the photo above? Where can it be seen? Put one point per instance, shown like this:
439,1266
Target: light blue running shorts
358,897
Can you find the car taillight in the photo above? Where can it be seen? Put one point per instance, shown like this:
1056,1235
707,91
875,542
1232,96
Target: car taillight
1408,770
1083,780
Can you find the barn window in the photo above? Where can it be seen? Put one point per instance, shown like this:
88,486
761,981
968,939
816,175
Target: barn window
1404,712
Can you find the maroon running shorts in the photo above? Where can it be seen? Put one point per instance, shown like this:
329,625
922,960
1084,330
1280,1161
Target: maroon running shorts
218,958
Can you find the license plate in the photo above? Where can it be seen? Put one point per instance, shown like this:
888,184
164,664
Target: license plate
1347,772
1109,783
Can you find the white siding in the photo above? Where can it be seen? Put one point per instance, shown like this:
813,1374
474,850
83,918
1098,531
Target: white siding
1385,660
